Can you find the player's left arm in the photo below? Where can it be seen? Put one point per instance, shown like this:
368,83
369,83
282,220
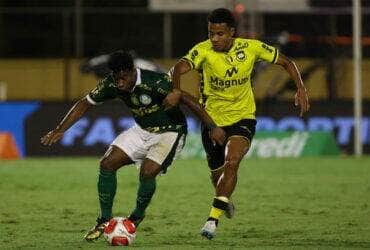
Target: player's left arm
217,134
301,96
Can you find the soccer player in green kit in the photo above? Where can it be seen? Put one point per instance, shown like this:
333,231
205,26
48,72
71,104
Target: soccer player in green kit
155,139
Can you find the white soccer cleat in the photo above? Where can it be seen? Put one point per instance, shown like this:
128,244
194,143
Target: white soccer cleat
209,229
230,210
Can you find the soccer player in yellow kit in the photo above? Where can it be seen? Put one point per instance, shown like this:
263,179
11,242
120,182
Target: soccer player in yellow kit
225,63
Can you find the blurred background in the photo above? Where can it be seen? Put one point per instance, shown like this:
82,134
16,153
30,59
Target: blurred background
53,52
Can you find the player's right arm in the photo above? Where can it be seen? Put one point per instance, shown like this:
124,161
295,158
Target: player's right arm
217,134
103,91
193,60
75,113
181,67
173,98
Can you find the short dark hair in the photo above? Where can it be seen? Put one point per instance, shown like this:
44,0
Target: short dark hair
120,60
222,15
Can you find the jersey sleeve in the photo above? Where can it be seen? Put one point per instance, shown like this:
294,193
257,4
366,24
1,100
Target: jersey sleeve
195,56
101,93
265,52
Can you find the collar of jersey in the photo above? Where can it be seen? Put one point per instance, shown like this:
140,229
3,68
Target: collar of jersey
231,48
138,78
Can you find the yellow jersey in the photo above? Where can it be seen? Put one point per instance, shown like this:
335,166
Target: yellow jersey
226,90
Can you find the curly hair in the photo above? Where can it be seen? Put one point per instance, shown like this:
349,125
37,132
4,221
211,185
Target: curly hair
120,61
222,15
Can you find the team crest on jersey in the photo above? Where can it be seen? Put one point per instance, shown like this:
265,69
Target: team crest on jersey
134,100
240,56
145,99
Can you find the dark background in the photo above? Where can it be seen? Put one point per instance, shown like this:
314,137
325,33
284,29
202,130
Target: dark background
39,28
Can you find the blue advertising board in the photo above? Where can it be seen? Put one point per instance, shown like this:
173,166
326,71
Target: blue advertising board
91,135
13,116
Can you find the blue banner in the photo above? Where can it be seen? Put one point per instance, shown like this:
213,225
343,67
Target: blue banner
13,116
101,124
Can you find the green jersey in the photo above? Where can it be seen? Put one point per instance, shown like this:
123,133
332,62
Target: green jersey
144,101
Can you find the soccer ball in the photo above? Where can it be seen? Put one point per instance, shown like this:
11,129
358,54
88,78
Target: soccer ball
120,231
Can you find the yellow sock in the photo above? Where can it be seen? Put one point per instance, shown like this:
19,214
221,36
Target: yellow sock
216,213
218,207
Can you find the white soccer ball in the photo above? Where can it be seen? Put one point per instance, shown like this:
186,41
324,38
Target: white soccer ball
120,231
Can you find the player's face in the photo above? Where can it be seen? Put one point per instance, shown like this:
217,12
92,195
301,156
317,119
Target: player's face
221,36
125,80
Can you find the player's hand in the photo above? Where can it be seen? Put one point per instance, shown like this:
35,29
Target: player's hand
51,137
301,99
172,99
218,136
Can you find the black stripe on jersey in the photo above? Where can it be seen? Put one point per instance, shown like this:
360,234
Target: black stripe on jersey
273,60
201,89
191,63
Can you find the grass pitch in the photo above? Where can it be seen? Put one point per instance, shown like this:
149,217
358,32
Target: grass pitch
281,203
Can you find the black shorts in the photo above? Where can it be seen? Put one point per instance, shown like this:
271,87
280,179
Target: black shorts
216,154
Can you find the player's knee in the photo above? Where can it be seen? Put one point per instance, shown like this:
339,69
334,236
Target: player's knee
106,164
149,169
147,173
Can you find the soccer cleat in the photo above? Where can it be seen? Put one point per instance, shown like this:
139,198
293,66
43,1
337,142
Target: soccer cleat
209,229
97,230
230,210
136,220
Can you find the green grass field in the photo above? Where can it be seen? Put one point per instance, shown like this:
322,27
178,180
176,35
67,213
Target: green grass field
306,203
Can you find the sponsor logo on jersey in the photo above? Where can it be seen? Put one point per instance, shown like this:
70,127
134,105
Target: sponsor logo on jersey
145,111
231,71
162,91
241,46
145,99
217,83
240,56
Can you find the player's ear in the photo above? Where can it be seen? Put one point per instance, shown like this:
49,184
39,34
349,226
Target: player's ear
232,31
